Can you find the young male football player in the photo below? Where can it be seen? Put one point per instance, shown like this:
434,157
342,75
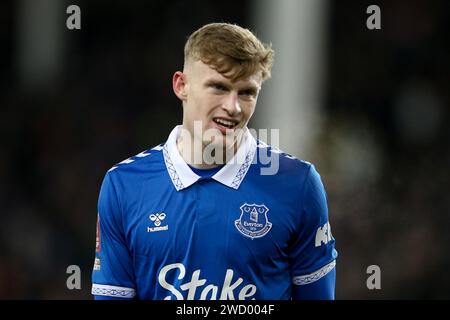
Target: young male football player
196,217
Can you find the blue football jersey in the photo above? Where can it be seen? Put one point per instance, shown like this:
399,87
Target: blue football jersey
166,232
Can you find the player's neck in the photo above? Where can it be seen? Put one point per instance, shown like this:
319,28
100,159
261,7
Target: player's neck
198,156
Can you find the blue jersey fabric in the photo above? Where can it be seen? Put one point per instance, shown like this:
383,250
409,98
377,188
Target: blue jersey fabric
164,232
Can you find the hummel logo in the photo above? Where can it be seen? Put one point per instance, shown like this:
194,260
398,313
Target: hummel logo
156,219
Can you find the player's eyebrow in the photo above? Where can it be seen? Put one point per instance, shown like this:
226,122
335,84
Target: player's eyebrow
214,82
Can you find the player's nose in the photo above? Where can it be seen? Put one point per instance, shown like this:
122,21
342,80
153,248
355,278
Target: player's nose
231,104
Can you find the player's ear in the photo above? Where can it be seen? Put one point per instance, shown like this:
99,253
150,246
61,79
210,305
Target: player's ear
179,85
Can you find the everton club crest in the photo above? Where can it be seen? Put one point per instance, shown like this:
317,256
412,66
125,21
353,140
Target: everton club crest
253,221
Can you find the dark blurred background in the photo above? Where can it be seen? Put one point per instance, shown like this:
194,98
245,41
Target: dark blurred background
75,102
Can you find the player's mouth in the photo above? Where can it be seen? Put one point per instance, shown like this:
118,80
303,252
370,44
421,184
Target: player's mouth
225,124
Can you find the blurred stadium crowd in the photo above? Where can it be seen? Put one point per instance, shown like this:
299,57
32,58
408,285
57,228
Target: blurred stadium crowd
383,153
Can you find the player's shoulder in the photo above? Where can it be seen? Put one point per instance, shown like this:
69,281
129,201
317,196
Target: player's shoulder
287,163
142,161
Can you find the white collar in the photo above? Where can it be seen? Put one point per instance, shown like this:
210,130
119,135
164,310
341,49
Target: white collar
231,174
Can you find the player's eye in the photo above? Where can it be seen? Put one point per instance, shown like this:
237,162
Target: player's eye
219,87
249,94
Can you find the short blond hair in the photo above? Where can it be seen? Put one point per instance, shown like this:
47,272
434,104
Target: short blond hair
231,50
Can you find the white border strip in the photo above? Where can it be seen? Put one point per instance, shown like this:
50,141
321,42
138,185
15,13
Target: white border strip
112,291
316,275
